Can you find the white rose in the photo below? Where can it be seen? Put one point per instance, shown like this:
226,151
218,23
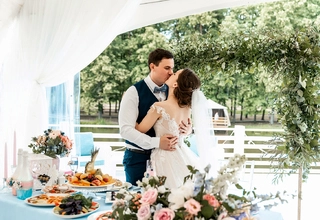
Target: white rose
162,189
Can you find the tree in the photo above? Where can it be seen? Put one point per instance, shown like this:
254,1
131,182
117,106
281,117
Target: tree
93,88
121,64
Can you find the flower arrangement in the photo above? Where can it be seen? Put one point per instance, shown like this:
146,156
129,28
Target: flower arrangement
199,198
17,185
52,143
13,183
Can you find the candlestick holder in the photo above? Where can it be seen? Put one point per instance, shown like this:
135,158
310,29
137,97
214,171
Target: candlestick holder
5,187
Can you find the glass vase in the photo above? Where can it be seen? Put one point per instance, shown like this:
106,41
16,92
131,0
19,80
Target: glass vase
17,171
24,193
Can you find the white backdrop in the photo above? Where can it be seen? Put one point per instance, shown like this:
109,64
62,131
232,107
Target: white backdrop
45,42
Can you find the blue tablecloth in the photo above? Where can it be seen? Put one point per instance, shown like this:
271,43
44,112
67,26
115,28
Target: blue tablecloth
11,208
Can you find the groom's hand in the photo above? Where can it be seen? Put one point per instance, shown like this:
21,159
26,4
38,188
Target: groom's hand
185,127
168,142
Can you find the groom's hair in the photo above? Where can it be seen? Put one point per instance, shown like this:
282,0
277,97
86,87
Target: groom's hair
157,55
187,82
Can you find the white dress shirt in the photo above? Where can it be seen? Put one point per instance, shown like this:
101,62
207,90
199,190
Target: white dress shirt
128,115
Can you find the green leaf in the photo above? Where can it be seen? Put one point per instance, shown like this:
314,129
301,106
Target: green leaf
207,211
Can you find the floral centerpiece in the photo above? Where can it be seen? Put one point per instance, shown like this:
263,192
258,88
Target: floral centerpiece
198,198
52,143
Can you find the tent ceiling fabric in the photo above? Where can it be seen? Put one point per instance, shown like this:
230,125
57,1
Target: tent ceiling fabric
9,10
149,11
156,11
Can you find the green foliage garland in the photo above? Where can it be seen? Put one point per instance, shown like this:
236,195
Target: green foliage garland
292,59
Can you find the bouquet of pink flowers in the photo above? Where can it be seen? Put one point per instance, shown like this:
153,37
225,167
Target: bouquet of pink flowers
198,198
52,143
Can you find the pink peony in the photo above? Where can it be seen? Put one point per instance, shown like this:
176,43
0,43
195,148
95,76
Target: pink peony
224,216
192,206
164,214
54,133
211,200
149,197
144,212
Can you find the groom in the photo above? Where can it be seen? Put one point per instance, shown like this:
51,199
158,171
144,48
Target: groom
135,104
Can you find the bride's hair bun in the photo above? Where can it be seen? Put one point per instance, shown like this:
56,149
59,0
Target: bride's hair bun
187,82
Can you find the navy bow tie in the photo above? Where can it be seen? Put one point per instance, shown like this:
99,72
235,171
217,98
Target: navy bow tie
160,89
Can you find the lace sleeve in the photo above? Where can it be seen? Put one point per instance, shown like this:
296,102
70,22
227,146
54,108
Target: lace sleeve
157,108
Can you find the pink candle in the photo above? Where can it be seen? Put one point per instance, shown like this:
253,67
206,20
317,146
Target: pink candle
5,174
14,150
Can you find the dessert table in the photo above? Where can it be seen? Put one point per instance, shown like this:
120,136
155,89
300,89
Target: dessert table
13,208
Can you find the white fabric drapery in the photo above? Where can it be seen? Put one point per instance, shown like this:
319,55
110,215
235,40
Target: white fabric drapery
52,41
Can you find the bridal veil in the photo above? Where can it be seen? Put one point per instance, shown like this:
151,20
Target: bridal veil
206,143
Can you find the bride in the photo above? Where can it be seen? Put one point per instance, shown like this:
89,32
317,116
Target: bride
165,117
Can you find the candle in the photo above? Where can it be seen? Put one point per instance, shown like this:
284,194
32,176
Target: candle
5,174
14,150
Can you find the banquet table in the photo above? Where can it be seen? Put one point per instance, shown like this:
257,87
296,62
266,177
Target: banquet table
11,208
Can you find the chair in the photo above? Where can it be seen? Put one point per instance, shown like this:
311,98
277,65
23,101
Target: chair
246,175
84,145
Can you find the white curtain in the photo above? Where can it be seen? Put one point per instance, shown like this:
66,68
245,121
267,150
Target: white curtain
63,103
51,42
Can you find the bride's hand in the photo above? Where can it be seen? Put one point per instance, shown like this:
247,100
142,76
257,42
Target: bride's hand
185,128
168,142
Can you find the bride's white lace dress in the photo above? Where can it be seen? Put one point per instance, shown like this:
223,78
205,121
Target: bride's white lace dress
172,164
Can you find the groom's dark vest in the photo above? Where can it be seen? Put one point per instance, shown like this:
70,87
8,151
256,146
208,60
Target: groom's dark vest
146,100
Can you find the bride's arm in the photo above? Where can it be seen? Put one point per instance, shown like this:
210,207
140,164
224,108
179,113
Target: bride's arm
149,120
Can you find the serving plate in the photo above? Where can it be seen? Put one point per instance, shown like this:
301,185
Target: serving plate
74,216
125,184
59,189
44,200
95,215
91,187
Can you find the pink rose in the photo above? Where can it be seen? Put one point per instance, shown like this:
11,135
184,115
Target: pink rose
66,141
149,197
211,200
144,212
164,214
192,206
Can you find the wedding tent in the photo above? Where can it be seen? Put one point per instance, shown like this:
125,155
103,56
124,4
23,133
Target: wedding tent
219,111
46,42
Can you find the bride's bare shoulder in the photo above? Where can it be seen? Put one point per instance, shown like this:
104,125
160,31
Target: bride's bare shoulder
161,104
